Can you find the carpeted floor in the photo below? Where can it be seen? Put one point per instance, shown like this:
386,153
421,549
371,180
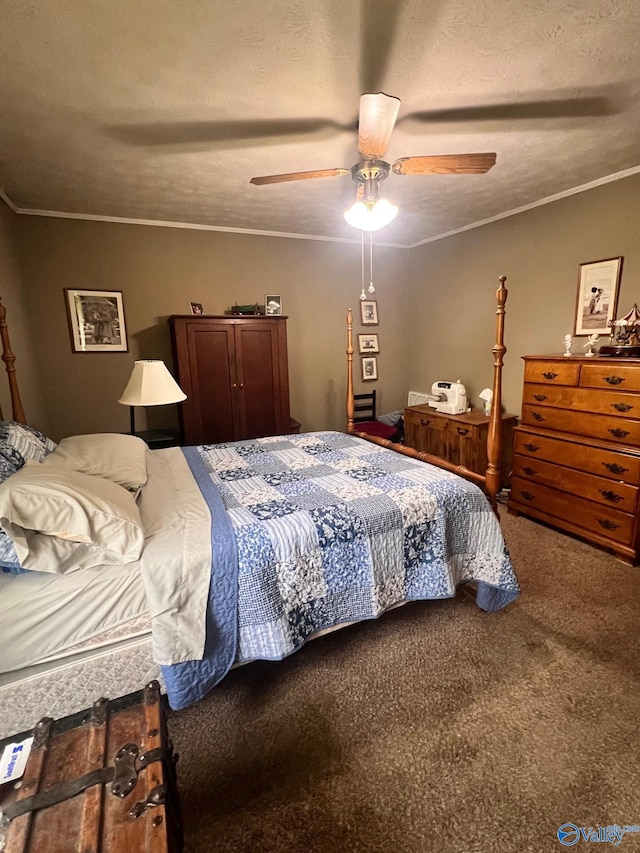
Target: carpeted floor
435,728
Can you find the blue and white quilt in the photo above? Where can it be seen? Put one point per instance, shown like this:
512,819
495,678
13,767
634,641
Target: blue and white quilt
315,530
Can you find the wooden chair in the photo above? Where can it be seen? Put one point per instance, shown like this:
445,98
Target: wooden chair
365,417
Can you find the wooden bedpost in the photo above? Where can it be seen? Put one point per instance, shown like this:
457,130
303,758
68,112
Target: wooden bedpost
9,359
350,400
494,438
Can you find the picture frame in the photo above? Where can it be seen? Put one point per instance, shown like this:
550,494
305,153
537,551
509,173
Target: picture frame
96,320
369,368
368,343
597,297
369,312
196,308
272,304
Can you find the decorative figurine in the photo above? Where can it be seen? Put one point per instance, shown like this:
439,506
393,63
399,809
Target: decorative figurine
591,344
568,340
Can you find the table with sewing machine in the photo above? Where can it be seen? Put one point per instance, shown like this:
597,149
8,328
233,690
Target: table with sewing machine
459,438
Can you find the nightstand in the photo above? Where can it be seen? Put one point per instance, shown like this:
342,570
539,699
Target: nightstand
158,438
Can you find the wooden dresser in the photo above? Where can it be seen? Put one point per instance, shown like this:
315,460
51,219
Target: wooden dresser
235,374
461,439
577,450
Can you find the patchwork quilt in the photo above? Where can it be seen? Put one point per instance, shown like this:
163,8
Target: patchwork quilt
315,530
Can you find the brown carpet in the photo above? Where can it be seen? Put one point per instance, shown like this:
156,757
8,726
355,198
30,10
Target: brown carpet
435,728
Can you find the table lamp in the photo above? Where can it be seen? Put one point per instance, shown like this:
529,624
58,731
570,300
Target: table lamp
150,384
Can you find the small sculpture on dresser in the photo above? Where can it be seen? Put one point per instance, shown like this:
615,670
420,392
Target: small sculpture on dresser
591,344
568,340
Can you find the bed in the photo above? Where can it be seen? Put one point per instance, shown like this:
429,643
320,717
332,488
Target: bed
220,555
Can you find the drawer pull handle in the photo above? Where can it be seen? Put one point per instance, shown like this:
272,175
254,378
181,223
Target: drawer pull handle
619,433
528,496
549,375
622,407
539,397
614,468
530,472
610,496
462,431
531,447
424,423
614,380
537,416
608,525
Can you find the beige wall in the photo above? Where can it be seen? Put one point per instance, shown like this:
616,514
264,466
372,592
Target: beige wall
13,295
159,270
539,251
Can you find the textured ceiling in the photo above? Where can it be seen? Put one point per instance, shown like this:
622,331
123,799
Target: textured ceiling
164,109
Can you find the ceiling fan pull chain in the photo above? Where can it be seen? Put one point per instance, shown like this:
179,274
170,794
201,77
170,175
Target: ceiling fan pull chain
372,289
363,295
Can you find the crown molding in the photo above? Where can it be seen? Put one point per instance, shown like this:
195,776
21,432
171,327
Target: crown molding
191,226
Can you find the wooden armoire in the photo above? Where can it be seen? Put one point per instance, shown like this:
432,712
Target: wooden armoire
234,372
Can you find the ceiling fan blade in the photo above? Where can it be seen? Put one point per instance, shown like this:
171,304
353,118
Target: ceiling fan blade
298,176
445,164
266,132
542,109
378,115
379,22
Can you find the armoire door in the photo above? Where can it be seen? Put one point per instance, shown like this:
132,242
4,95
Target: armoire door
260,383
210,414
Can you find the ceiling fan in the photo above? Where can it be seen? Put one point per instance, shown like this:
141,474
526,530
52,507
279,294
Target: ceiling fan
378,114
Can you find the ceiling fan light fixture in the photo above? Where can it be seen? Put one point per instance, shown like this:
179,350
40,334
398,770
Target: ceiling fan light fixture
371,215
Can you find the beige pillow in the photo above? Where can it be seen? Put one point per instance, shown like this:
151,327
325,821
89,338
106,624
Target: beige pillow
61,520
116,457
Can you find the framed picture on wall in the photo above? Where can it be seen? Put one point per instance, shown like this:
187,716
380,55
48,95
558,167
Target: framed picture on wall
597,299
96,320
368,344
369,312
272,304
369,369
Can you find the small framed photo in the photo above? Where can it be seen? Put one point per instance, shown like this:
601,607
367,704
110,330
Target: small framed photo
368,344
369,369
96,320
196,308
272,304
597,299
369,312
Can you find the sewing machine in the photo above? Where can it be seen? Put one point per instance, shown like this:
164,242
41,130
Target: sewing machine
448,397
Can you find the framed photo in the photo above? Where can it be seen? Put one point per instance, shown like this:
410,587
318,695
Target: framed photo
369,312
369,369
368,344
196,308
96,320
597,299
272,304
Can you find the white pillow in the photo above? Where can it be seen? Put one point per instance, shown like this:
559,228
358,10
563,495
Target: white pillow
116,457
61,520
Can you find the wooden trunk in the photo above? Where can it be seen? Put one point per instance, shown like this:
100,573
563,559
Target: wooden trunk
100,780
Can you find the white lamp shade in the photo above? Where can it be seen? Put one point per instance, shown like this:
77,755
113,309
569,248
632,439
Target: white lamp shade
371,217
151,384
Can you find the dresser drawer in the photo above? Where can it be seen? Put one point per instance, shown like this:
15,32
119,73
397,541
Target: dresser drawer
607,463
603,375
614,403
617,495
590,516
552,372
624,431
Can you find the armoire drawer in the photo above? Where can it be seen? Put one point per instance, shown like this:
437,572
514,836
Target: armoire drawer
606,463
552,372
614,403
617,495
603,375
590,516
622,431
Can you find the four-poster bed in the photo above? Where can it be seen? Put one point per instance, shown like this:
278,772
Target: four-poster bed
251,549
